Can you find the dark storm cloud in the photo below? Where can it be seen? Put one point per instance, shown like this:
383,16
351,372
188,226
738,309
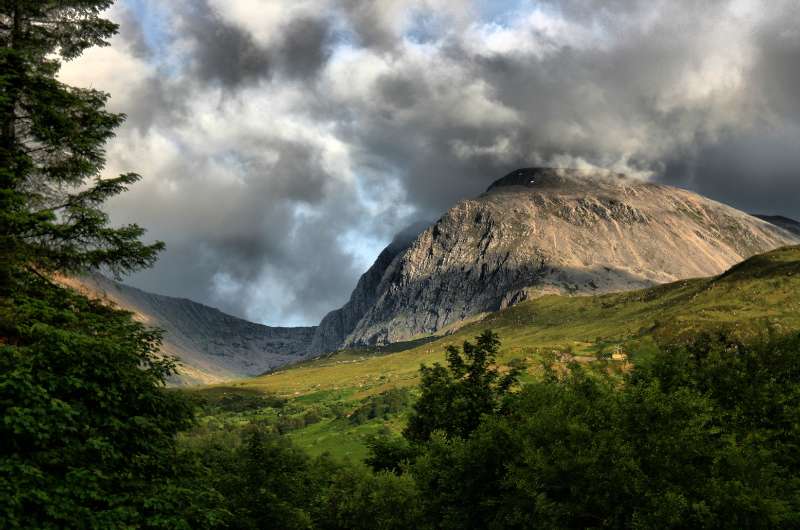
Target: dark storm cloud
280,148
132,32
757,172
305,46
756,168
223,52
625,101
229,54
224,243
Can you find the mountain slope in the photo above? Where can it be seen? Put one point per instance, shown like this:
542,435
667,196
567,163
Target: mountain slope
538,231
784,222
211,345
755,297
340,323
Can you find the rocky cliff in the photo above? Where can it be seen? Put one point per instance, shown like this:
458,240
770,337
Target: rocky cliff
338,324
211,345
538,231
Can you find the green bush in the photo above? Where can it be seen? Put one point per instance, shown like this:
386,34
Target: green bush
382,405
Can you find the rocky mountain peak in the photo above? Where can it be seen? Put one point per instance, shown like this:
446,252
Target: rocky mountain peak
556,177
544,230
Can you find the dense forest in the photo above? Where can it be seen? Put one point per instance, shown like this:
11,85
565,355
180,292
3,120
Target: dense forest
704,433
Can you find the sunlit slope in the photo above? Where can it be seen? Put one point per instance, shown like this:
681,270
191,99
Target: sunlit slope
757,296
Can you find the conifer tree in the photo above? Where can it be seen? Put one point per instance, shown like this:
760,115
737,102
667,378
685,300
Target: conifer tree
52,139
87,431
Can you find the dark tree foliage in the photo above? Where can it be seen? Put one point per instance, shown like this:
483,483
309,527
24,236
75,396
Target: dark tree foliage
455,398
52,139
701,437
269,483
87,433
87,437
388,452
381,406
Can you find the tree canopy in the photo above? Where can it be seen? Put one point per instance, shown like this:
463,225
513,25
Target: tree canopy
454,398
87,437
52,146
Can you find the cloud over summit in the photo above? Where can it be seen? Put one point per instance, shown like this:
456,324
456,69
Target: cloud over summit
283,143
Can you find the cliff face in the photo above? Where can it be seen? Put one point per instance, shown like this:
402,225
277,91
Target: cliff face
337,325
539,231
211,345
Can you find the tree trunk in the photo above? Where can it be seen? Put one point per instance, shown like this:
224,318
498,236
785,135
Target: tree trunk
8,140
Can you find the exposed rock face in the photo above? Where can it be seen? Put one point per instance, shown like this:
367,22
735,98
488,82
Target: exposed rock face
340,323
211,345
541,231
784,222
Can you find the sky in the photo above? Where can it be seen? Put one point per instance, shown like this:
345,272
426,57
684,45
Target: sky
282,143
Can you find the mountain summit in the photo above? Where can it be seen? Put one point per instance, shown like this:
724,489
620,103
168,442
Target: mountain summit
538,231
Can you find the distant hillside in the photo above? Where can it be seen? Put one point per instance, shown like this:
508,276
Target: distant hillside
211,345
784,222
539,231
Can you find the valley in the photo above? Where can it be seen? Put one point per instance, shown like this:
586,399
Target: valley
753,299
543,234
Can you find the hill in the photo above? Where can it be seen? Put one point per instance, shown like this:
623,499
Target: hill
534,232
784,222
753,297
211,345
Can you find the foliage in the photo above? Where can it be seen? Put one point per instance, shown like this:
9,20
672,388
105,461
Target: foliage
270,483
389,453
699,435
455,398
382,406
704,436
52,139
360,500
87,437
237,402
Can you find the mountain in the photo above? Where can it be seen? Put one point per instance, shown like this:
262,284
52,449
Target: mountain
339,323
538,231
533,232
784,222
757,297
211,345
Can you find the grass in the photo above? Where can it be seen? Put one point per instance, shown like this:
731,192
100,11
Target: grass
758,296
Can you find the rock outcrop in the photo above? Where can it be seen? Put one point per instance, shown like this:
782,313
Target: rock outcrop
538,231
340,323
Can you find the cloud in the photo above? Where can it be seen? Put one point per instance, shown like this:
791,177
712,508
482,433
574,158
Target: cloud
284,143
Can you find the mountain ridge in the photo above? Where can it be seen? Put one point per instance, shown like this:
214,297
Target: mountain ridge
211,345
548,230
535,231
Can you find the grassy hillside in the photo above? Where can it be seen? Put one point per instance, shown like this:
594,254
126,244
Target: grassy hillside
758,296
